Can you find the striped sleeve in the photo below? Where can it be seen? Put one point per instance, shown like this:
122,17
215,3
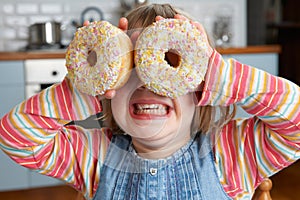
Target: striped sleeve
248,150
35,135
63,101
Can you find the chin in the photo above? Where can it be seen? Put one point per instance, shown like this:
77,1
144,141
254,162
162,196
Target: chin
145,129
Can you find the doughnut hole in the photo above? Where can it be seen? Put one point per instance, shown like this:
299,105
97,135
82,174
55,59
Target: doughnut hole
173,58
92,58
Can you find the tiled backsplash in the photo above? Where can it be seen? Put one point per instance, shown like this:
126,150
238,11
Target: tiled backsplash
17,15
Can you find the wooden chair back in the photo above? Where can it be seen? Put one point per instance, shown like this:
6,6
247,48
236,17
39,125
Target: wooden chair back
263,190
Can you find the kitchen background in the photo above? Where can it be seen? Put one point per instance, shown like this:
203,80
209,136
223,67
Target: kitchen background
17,15
247,22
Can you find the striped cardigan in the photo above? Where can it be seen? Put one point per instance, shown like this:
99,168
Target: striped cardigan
35,133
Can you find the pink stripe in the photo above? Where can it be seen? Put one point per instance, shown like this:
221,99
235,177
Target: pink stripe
68,100
265,99
34,105
214,63
12,134
62,158
233,154
243,87
250,150
40,155
61,106
78,178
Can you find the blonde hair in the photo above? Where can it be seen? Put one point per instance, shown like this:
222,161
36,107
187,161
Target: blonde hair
205,118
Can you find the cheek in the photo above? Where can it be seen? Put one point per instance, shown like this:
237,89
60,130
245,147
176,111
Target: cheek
119,110
120,102
187,107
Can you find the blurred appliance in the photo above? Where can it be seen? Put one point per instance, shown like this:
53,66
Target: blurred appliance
42,73
90,14
222,27
47,35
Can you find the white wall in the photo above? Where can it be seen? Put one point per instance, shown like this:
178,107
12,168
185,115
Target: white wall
17,15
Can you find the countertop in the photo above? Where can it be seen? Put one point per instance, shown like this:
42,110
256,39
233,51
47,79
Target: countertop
58,54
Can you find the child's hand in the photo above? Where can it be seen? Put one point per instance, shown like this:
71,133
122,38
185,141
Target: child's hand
123,24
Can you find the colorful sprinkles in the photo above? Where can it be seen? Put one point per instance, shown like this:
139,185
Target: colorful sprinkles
154,70
102,38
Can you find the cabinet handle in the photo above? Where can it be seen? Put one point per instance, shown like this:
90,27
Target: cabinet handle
54,73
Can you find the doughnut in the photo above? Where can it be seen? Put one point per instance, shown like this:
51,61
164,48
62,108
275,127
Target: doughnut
99,58
181,38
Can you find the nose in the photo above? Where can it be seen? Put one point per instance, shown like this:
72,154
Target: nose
142,88
134,81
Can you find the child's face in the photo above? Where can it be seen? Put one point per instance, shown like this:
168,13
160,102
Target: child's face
152,119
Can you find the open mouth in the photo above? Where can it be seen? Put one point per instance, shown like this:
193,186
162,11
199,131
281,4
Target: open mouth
149,110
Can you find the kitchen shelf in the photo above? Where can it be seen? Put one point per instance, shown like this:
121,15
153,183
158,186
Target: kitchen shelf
44,54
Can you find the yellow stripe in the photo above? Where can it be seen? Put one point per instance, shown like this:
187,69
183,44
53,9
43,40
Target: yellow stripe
64,156
26,120
55,106
228,82
274,94
65,102
242,159
8,133
231,159
252,83
42,103
42,119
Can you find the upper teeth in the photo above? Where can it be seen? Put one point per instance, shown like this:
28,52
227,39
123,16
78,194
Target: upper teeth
156,109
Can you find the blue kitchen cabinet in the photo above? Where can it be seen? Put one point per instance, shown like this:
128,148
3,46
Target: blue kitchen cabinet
12,91
38,180
12,85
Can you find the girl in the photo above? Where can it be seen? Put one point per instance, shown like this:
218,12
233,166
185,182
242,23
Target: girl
155,147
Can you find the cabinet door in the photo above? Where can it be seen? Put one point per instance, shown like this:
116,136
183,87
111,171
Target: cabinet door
264,61
12,85
38,180
12,176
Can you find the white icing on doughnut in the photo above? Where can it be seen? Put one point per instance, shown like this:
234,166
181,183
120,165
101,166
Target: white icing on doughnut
152,68
96,76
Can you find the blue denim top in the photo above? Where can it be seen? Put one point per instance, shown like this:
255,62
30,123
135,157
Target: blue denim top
187,174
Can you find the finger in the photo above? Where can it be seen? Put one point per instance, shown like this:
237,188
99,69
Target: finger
157,18
123,23
178,16
110,94
199,26
85,23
